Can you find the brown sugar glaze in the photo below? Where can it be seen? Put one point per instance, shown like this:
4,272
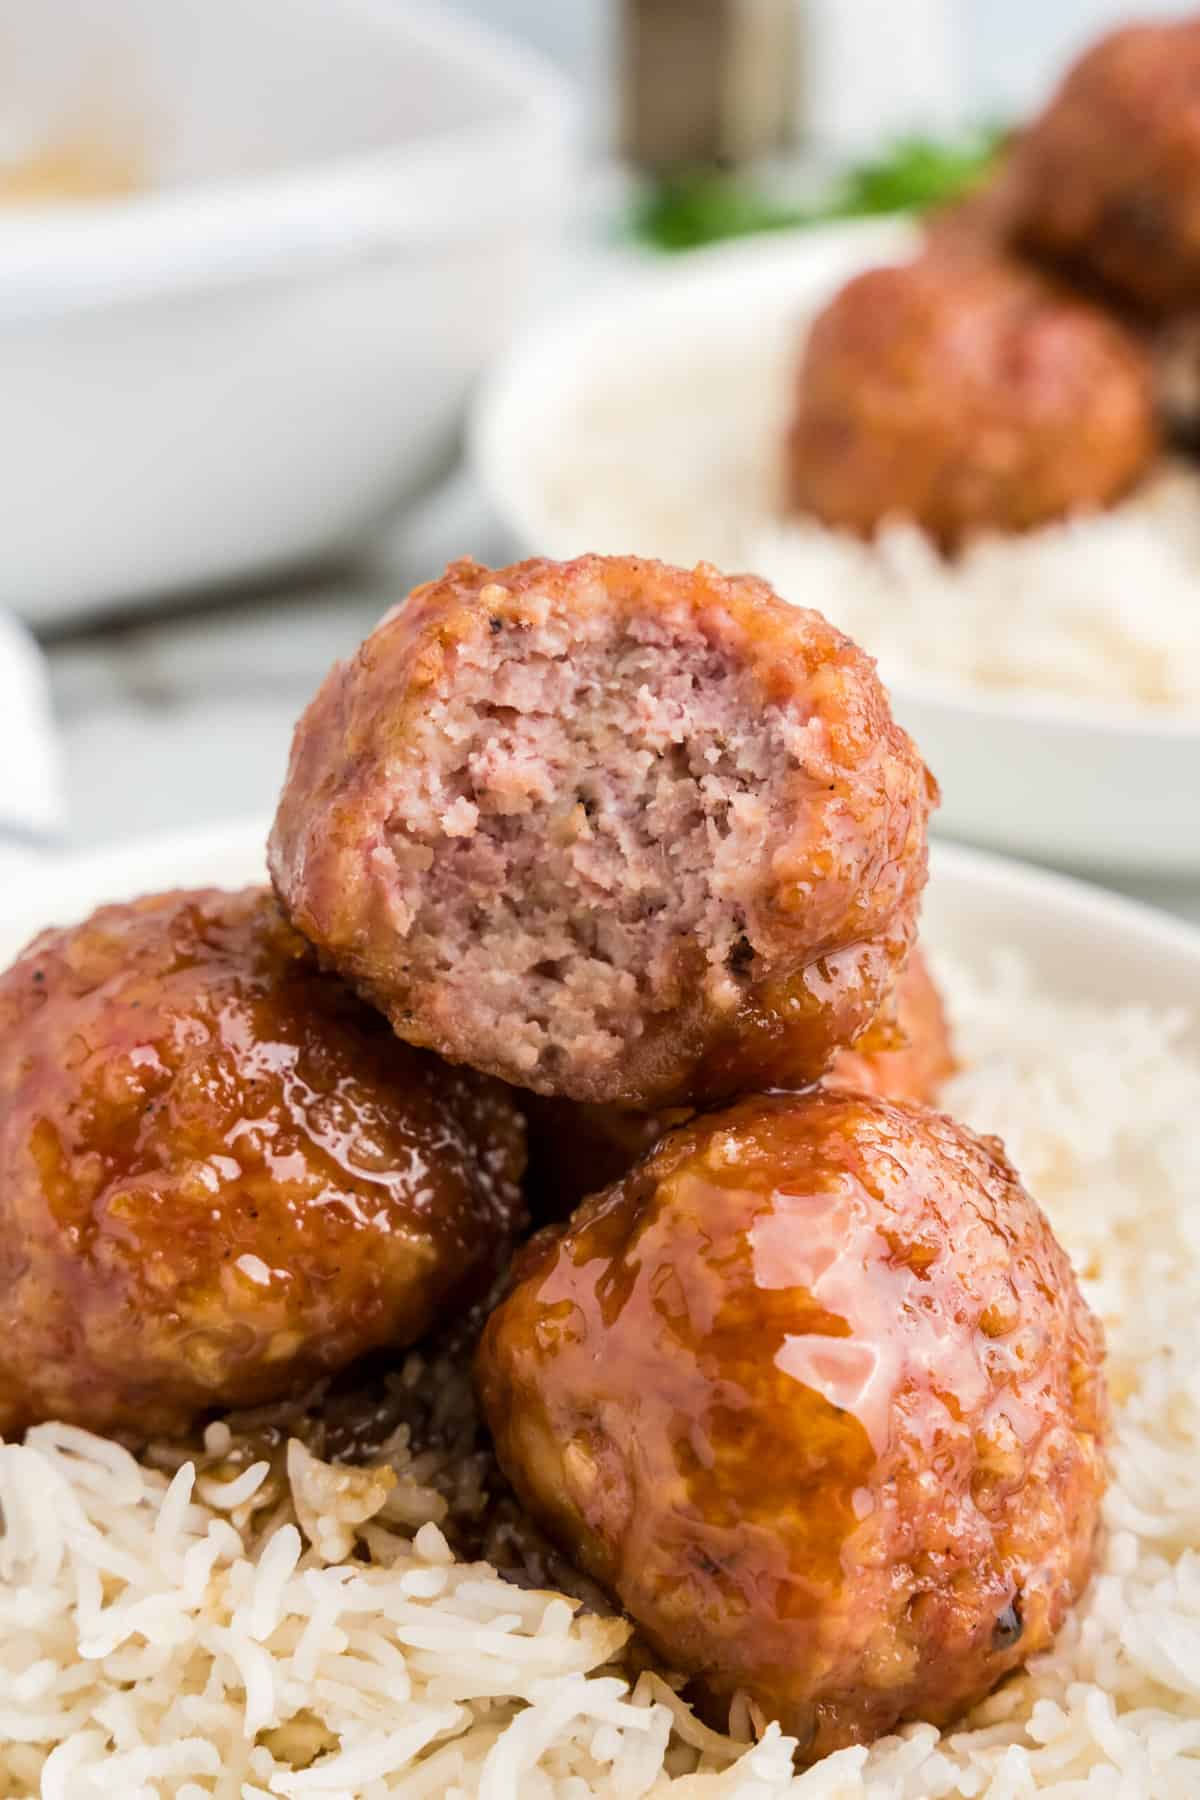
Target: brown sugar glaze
813,1394
223,1176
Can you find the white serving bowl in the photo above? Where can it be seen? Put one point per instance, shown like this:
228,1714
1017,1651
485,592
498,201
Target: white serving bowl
238,369
1081,943
1075,783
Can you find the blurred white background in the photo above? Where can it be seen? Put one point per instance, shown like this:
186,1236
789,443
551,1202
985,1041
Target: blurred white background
181,714
1012,49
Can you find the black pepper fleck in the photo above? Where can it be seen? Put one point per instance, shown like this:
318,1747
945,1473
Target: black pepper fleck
740,956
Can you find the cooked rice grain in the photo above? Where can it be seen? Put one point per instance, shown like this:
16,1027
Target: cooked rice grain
172,1634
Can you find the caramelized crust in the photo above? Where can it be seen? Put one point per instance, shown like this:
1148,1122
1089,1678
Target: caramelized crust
574,1149
814,1395
220,1175
966,394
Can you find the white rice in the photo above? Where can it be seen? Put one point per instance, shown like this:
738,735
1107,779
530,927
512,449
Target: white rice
194,1635
680,454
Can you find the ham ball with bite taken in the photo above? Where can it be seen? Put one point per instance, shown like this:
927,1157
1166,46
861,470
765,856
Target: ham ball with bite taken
813,1394
221,1176
608,829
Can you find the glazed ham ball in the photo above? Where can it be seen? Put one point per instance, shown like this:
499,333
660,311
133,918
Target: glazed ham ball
1109,175
608,829
574,1149
813,1394
966,394
220,1175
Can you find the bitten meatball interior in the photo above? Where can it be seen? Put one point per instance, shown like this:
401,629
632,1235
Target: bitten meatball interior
644,752
564,822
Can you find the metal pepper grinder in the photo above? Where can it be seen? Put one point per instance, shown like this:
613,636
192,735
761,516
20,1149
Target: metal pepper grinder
706,81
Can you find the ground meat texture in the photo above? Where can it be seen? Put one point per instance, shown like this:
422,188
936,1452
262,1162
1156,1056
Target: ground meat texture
967,394
1110,172
575,1149
608,829
813,1395
221,1176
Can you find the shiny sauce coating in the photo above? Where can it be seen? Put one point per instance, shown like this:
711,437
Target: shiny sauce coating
812,1392
220,1175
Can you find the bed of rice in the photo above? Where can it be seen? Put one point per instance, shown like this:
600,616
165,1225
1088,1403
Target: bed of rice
254,1625
679,453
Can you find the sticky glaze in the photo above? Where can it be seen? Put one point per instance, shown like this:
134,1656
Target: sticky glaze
813,1393
220,1174
576,1149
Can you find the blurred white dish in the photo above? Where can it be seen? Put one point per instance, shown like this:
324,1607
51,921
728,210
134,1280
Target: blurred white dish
236,369
1074,781
1080,943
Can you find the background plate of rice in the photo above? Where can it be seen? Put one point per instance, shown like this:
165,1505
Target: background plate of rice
1052,679
220,1621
